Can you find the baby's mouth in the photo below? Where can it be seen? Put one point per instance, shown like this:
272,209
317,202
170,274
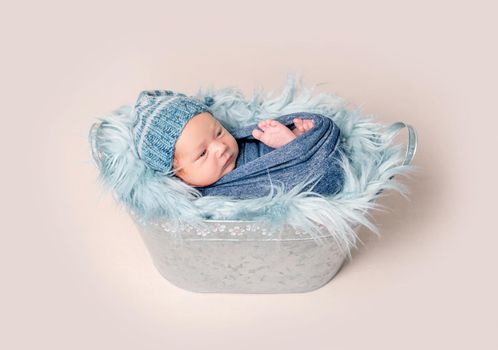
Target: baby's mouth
229,160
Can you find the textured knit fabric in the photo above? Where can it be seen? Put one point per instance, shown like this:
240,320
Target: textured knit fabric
313,155
160,116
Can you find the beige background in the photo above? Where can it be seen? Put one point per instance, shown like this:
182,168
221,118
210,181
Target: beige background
75,273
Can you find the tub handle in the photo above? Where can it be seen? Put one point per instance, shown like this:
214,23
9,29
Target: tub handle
92,138
411,147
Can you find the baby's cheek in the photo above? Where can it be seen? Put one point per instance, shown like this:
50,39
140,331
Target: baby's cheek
235,146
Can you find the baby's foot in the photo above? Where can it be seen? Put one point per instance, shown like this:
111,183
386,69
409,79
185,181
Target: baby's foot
302,125
274,134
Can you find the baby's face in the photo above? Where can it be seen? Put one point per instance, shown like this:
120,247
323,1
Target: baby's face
204,152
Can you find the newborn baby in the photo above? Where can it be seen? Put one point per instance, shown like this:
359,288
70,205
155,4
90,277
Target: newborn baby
214,152
177,135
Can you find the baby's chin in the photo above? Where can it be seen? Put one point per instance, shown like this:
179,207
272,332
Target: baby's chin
227,169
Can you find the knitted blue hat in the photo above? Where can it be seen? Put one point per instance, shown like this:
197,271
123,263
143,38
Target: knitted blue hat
160,116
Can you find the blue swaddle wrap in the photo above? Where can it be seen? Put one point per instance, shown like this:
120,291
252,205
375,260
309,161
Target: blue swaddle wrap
315,155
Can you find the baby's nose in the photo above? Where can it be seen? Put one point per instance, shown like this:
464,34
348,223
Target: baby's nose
221,148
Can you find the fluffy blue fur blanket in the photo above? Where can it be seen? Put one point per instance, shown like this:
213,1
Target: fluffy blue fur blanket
315,156
373,161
